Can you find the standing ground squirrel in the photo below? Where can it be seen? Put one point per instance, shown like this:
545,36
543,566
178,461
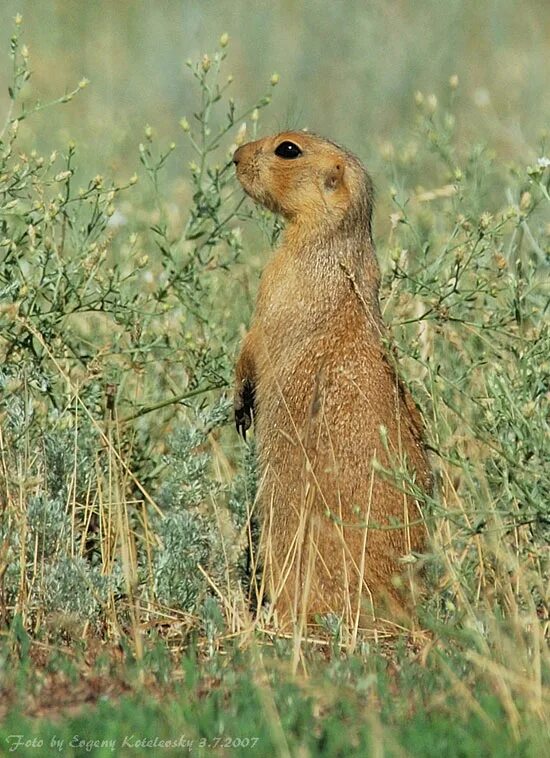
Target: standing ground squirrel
314,375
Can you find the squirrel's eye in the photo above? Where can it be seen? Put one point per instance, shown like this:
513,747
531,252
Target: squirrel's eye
287,150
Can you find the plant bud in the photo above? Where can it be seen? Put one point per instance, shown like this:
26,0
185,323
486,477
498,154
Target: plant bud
485,220
62,176
241,134
432,103
525,201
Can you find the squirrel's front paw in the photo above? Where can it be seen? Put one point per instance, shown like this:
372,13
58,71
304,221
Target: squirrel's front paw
244,406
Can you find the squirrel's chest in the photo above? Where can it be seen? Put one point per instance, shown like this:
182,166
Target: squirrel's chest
292,304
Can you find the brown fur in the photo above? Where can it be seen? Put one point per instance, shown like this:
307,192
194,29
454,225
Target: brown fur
315,374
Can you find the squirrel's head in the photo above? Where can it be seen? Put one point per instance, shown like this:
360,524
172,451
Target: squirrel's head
307,179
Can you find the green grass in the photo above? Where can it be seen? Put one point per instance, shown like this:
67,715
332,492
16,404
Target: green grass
127,278
247,702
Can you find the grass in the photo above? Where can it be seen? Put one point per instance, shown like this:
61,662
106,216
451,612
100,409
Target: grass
126,497
246,700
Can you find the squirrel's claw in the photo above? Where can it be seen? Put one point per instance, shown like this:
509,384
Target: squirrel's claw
243,421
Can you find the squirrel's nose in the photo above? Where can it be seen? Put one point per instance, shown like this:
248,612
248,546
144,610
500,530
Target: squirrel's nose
236,157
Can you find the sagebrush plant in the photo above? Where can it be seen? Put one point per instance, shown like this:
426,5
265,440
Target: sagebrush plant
114,352
467,296
468,299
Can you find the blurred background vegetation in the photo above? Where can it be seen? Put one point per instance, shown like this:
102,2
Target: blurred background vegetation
348,70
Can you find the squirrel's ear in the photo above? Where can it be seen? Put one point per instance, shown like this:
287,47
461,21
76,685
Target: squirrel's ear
334,176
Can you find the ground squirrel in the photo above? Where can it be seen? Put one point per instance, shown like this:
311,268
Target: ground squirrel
314,375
